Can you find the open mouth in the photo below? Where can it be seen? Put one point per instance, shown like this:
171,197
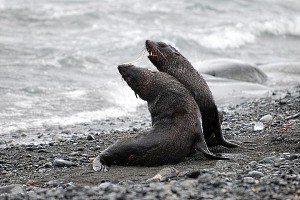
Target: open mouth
152,52
151,48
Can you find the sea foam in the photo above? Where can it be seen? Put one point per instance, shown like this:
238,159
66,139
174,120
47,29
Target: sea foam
238,35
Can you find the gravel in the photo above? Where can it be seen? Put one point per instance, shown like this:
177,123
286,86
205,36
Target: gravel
266,166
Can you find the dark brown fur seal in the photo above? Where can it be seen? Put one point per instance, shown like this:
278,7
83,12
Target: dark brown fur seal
167,59
176,119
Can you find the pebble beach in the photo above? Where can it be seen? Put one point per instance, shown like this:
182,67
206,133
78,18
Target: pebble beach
265,166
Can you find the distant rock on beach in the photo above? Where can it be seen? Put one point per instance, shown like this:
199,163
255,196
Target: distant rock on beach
232,69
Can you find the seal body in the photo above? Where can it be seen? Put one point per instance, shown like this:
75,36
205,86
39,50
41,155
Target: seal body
233,69
176,124
167,59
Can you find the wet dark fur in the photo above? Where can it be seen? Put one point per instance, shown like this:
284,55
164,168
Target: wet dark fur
167,59
175,118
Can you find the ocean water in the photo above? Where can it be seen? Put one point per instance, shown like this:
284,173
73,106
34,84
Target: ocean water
58,59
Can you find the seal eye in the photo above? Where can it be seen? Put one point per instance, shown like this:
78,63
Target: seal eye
161,44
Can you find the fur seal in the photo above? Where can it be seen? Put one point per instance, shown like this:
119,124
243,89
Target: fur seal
233,69
168,59
176,124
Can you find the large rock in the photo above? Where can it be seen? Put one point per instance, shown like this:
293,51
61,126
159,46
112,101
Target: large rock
232,69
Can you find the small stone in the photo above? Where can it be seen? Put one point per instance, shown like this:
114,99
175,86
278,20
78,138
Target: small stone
258,126
255,174
30,183
74,153
43,151
267,119
205,178
272,160
51,143
249,180
276,164
29,148
80,149
193,174
253,163
226,126
63,163
67,132
283,182
278,138
90,137
53,183
291,156
164,174
48,165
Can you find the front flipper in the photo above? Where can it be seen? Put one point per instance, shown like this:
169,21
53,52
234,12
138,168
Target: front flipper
98,165
201,144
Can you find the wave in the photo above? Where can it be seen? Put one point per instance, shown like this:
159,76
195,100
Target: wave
118,102
238,35
56,121
82,117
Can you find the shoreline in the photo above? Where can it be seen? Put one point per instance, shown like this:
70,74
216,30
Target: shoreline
267,165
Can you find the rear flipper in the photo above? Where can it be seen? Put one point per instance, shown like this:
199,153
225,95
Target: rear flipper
227,143
220,138
201,144
98,165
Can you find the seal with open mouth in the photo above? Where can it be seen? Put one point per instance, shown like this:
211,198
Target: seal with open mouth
168,59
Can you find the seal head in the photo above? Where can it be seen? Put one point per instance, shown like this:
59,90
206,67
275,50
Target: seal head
133,76
165,57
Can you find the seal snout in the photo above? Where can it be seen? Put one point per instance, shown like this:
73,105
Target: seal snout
150,46
128,72
124,68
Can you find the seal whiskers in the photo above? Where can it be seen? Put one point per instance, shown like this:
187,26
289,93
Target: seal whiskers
138,58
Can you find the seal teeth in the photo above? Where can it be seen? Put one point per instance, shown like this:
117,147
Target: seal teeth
152,52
